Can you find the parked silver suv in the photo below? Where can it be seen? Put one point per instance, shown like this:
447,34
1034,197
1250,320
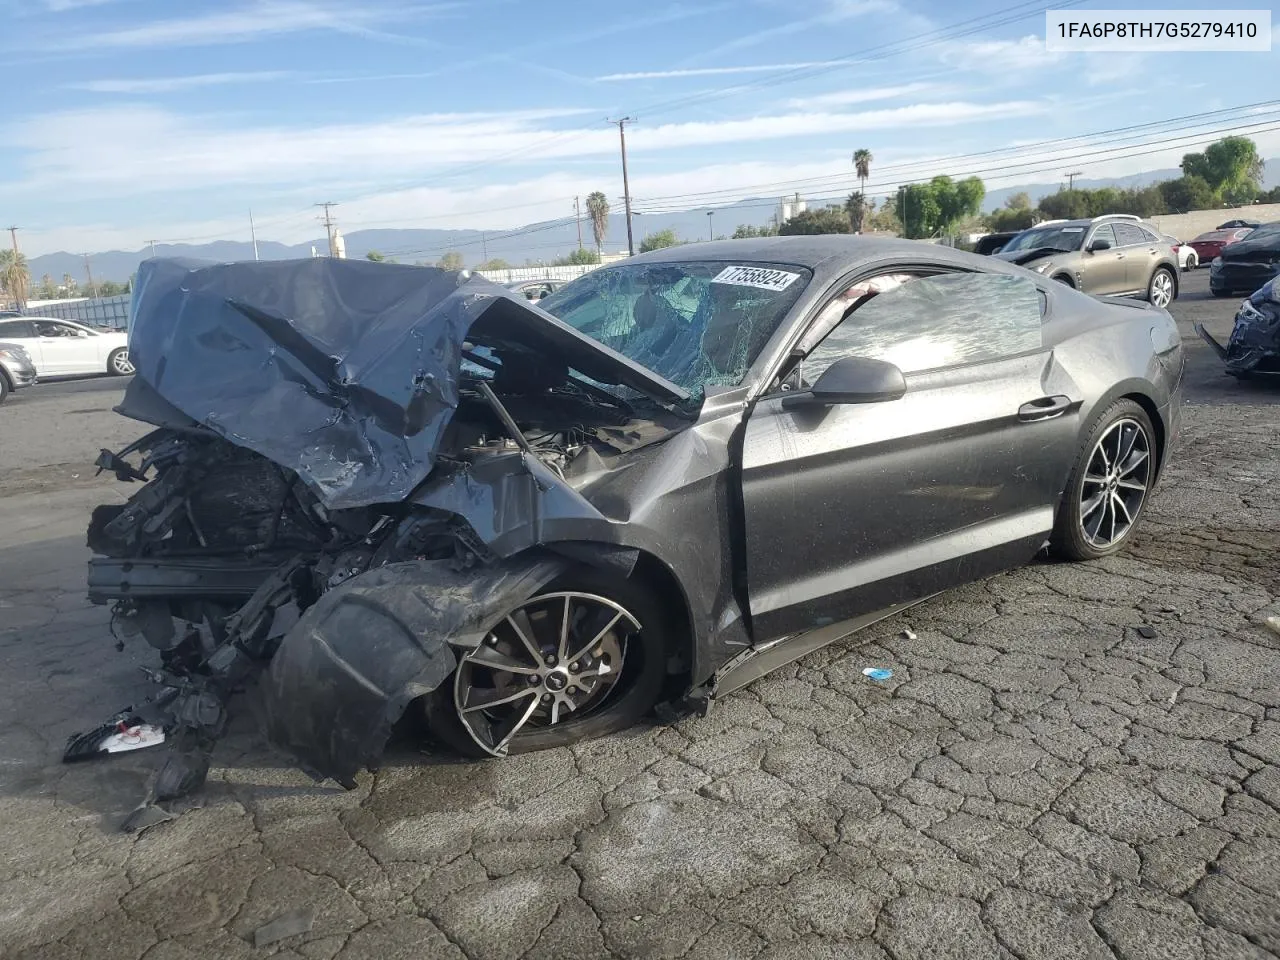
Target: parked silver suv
1115,255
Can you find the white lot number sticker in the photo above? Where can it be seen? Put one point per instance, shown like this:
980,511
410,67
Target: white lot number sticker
755,277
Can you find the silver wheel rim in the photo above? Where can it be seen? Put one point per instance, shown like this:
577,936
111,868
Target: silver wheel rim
121,364
1116,479
1161,289
556,657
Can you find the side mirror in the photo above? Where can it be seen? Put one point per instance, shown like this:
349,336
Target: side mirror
857,380
1099,245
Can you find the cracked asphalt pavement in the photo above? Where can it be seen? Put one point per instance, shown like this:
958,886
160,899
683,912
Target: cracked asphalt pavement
1038,779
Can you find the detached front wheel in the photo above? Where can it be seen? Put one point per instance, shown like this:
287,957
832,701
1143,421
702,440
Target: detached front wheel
1107,491
584,659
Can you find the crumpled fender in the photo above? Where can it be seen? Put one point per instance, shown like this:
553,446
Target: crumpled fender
346,671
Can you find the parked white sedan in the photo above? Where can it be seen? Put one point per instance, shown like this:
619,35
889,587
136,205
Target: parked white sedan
60,348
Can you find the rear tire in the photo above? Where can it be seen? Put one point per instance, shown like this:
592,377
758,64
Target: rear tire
118,364
1162,288
637,690
1090,523
4,387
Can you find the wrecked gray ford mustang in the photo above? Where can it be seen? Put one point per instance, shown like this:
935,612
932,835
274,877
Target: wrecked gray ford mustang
375,488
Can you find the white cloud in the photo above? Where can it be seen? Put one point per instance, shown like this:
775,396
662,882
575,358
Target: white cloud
999,56
145,150
847,98
171,84
59,6
256,20
713,71
831,13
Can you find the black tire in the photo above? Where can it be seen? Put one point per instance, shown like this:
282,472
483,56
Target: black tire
644,675
4,387
1068,541
113,359
1173,285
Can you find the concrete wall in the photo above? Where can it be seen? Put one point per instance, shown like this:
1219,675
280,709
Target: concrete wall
1187,226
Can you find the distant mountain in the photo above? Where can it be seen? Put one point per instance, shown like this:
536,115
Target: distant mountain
533,242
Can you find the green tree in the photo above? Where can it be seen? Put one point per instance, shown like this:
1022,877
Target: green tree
48,290
450,261
658,240
885,219
1006,219
375,256
1269,196
69,286
15,276
1065,205
855,207
862,166
1231,167
598,211
576,258
935,208
1187,193
494,263
809,222
745,231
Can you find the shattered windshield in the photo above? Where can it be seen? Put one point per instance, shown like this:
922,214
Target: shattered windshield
698,324
1065,239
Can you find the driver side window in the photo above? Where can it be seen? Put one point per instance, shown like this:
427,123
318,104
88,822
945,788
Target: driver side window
49,329
931,322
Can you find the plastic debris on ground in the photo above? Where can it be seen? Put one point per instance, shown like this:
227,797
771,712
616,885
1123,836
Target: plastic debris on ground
286,925
1273,624
877,673
121,734
1146,631
909,635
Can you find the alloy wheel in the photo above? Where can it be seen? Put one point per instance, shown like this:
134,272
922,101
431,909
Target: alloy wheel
120,364
1161,294
1115,485
554,659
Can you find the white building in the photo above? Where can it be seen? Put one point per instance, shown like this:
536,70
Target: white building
788,207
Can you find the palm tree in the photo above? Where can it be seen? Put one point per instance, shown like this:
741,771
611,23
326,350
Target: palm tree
14,275
862,163
598,210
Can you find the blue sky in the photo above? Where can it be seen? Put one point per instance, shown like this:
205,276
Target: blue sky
144,119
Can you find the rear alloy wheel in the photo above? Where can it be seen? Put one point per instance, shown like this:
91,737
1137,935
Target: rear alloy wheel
1192,261
118,363
1160,288
583,660
1107,491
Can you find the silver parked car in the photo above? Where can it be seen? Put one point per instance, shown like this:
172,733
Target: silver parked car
16,369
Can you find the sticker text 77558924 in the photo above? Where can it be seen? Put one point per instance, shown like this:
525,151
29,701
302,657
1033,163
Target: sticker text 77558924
764,277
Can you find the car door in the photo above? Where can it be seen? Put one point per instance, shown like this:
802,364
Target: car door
65,348
1103,271
1141,250
23,333
851,508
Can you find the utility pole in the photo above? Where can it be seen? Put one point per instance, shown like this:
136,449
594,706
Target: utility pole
93,290
253,235
1071,180
577,215
152,244
19,295
328,223
626,186
484,248
711,233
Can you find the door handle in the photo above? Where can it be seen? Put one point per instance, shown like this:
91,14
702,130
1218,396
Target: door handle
1045,408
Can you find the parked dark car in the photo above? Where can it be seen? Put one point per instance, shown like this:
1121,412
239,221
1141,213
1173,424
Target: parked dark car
1254,344
16,369
1247,264
537,522
1238,224
993,243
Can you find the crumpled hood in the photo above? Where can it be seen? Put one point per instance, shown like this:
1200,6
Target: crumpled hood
344,371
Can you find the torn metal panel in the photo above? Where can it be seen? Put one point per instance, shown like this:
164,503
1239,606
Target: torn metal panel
344,674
